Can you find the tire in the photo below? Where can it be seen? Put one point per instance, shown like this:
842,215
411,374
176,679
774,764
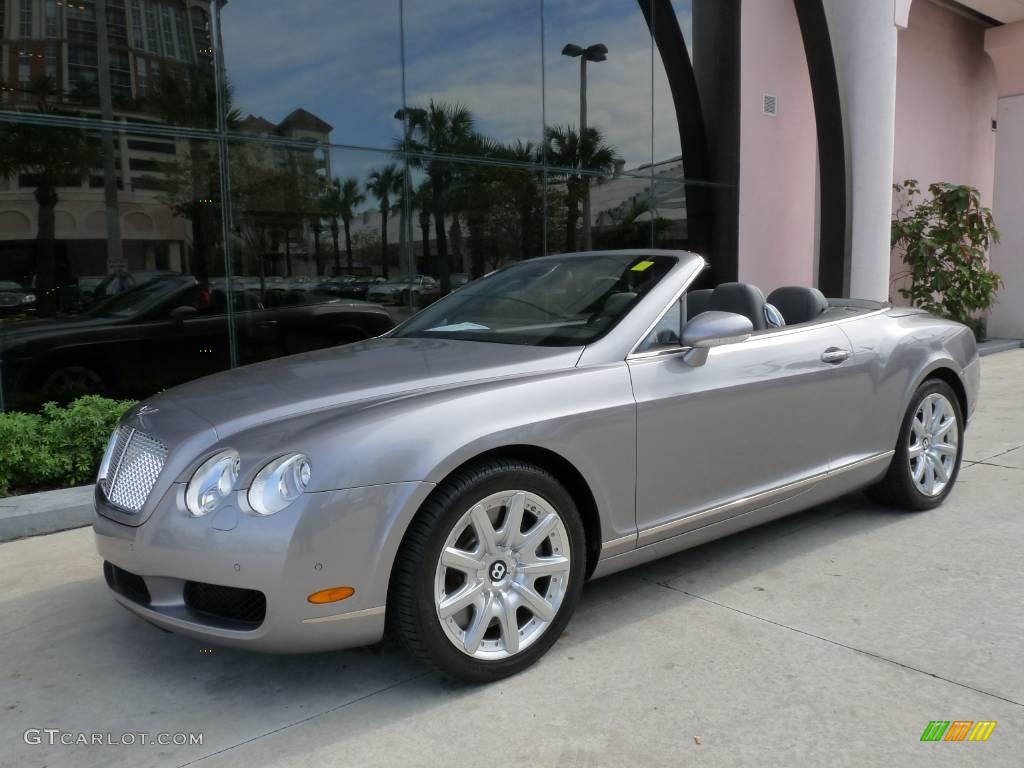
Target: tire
906,483
69,382
500,575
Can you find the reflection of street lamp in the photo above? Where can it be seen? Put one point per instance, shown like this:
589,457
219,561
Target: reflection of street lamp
595,52
407,115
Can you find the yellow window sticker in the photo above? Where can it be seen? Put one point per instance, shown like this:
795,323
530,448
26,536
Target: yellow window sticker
643,266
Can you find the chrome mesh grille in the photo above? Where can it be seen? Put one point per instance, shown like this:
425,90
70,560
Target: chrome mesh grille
135,465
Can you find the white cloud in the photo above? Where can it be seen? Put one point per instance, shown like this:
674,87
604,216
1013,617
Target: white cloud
343,62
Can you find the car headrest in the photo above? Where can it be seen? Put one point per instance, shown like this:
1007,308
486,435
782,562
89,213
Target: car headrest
798,304
697,302
740,299
617,303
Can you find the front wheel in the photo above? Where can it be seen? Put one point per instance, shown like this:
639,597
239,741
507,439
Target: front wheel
926,464
490,571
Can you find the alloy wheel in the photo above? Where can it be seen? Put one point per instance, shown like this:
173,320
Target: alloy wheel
934,444
502,575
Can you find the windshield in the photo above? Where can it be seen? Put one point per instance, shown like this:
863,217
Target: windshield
552,302
141,298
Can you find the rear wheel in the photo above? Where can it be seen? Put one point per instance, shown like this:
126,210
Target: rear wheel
926,464
490,571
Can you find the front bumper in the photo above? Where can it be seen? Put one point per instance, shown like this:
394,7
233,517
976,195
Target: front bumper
336,538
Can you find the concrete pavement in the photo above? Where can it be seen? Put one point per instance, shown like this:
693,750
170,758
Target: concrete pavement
829,638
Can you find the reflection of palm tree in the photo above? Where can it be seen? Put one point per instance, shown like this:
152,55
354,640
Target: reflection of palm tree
190,99
52,157
441,129
382,183
567,152
85,92
339,201
421,202
525,192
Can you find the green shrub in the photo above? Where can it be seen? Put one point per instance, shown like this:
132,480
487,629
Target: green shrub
58,448
944,242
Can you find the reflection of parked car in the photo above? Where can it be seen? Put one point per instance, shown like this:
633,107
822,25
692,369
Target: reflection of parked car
162,333
463,476
358,288
334,286
459,279
14,299
398,290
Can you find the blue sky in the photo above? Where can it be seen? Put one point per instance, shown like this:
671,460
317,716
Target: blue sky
342,61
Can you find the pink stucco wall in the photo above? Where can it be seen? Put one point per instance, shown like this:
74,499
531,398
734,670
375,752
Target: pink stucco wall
946,99
778,155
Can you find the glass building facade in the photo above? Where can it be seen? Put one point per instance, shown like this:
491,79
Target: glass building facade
187,186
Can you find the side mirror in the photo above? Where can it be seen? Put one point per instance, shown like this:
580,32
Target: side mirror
181,314
713,329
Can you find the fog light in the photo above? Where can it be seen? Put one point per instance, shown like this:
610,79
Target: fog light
332,595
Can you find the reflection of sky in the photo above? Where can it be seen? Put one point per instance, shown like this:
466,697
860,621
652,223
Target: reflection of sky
341,60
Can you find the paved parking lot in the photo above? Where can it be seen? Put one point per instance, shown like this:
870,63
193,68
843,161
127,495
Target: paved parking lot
830,638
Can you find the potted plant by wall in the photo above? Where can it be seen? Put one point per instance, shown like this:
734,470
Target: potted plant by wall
944,242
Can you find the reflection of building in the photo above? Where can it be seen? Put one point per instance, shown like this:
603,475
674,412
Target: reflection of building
301,174
58,41
300,125
660,189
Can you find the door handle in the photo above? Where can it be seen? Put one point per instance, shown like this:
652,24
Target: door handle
835,355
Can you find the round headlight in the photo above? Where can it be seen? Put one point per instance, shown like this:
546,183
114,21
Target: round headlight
212,483
280,483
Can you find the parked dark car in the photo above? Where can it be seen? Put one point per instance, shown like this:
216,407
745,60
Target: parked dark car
15,299
358,288
162,333
334,286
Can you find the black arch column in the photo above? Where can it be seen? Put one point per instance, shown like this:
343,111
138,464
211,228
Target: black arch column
705,94
834,239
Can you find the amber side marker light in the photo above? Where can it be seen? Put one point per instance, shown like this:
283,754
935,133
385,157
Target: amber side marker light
332,595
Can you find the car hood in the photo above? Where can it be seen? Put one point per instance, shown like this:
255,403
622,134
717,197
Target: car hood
365,372
32,330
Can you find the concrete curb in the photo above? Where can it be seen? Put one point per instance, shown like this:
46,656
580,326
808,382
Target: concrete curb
35,514
992,346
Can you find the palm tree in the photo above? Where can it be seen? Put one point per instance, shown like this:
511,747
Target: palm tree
340,201
570,154
382,183
438,131
53,157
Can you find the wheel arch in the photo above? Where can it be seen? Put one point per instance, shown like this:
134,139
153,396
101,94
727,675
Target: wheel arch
945,372
562,469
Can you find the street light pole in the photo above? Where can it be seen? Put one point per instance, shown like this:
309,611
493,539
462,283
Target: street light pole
596,52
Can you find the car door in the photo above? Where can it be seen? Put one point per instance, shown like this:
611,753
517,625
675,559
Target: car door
752,426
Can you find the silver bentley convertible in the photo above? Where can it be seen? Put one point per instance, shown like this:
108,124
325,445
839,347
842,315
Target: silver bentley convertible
457,480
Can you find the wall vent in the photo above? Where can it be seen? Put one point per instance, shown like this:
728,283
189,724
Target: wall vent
770,104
